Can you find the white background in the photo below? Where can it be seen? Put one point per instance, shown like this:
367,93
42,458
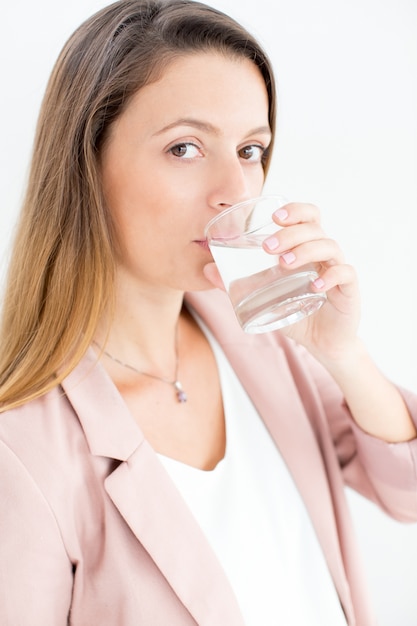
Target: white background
347,141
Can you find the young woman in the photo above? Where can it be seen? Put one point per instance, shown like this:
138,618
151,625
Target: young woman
158,465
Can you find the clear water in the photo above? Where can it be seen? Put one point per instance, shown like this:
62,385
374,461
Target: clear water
264,295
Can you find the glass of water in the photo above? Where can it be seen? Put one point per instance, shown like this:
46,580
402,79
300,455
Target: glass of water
264,295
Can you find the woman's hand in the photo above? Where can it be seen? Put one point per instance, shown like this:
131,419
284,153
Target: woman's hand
330,333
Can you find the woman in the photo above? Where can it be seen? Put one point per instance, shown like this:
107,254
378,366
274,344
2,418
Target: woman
158,465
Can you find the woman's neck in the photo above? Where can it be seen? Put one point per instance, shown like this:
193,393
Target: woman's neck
145,328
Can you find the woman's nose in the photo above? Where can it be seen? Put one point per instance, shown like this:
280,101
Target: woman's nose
229,185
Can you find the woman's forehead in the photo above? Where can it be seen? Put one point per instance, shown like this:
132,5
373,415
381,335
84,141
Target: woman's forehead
207,84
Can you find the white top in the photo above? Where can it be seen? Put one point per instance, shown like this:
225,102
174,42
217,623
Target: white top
252,514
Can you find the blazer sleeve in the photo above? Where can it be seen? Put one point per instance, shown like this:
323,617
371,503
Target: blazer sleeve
384,472
35,572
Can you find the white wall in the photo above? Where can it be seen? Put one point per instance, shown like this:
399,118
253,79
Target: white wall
347,77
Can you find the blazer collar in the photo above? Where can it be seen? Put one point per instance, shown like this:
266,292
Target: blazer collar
108,425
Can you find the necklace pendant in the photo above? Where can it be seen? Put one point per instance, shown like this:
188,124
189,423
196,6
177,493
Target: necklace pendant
181,395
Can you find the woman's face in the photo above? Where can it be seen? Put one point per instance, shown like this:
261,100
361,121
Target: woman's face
186,147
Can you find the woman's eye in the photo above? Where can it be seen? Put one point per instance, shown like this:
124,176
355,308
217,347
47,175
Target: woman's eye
185,150
252,153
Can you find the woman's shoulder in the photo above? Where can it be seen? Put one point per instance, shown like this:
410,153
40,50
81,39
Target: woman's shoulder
70,429
49,468
37,415
43,431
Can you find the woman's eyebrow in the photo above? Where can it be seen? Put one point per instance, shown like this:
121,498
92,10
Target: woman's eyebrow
190,121
207,127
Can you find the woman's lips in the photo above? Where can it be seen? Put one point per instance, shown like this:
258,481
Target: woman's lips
202,243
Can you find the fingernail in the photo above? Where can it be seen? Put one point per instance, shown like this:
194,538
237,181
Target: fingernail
271,243
281,214
289,257
319,283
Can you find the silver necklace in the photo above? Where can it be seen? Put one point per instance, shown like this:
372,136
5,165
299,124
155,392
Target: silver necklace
179,391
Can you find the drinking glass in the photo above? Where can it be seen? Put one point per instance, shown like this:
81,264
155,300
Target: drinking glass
264,295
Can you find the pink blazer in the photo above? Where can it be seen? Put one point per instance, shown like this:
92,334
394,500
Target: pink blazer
93,531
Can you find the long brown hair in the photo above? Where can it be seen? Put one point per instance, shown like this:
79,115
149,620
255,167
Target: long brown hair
61,275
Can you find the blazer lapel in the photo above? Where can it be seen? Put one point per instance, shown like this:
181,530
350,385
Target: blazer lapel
147,499
145,496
